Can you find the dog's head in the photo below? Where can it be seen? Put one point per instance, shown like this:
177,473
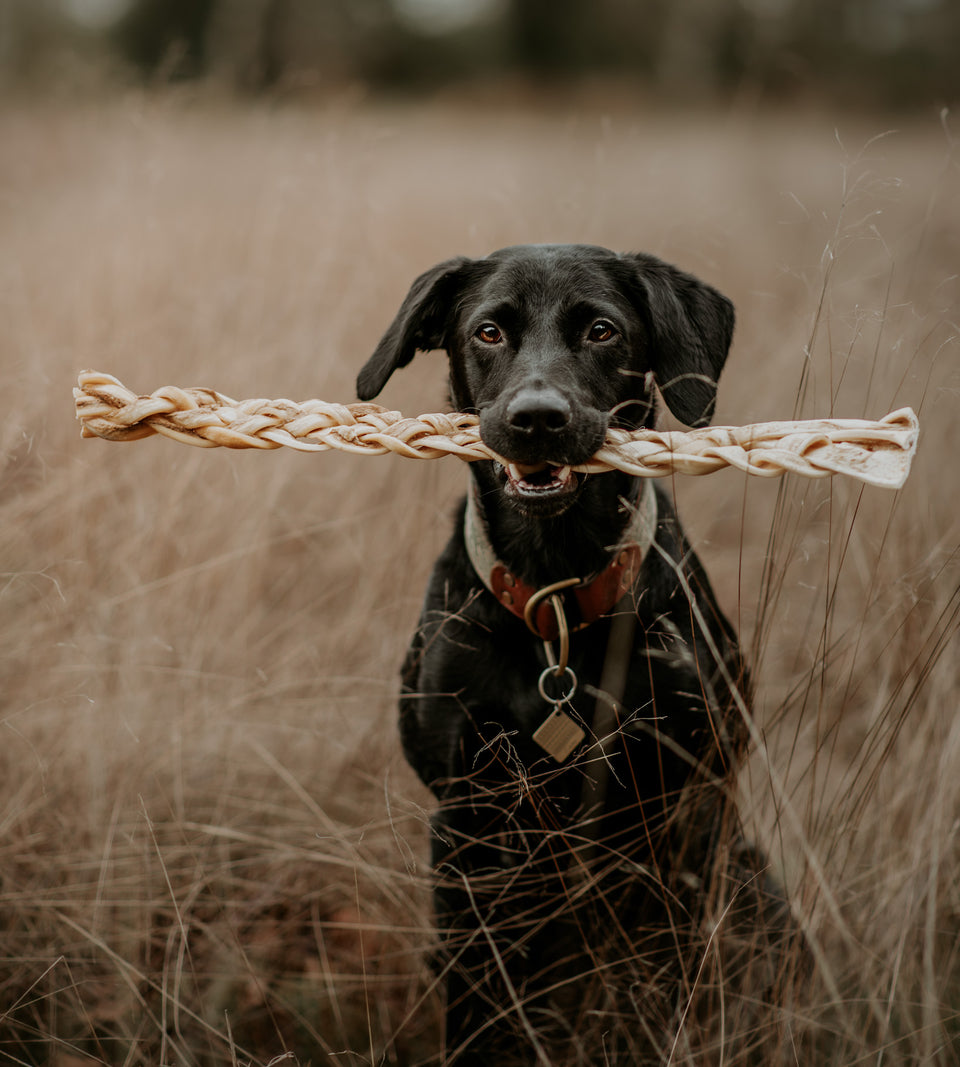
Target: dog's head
550,344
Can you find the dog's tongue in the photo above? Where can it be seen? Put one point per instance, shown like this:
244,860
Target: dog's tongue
538,475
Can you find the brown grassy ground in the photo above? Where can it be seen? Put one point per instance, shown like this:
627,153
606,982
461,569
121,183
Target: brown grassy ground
211,851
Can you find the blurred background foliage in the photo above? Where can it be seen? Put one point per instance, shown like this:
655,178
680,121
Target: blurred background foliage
885,54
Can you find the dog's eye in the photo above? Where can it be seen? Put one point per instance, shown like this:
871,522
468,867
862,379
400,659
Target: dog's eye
602,331
489,334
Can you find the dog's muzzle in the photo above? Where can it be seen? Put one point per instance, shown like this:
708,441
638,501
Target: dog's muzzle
541,437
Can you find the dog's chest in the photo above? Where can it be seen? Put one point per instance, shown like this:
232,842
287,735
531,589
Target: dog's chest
472,703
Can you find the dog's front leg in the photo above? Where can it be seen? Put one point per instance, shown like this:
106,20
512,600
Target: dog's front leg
514,951
483,921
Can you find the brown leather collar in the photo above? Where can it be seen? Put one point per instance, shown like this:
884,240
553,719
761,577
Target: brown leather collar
584,600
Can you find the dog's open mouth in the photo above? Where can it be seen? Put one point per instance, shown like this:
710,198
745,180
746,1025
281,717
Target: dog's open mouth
539,483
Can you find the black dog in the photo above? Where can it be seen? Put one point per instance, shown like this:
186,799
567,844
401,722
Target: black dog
582,804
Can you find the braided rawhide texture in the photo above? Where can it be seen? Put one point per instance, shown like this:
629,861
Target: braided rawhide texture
878,452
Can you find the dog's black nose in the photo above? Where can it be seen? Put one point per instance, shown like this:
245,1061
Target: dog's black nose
538,411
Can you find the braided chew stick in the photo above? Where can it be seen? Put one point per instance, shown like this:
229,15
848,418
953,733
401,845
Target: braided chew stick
875,452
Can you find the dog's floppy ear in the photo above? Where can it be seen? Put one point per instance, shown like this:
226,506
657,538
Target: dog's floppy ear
691,328
419,324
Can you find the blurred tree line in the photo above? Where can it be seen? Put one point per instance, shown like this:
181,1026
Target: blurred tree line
868,52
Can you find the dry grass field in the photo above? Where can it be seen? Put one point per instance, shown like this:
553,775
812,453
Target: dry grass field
211,850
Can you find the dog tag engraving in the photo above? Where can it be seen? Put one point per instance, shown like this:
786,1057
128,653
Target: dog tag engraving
558,735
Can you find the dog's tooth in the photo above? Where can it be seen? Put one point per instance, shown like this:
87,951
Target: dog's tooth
563,475
513,471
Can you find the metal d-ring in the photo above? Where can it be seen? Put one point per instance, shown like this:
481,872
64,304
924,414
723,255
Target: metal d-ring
541,594
551,672
563,630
